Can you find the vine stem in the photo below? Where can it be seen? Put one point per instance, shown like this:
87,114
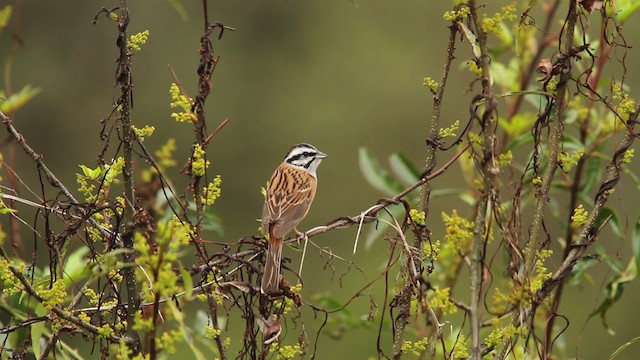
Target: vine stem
123,77
62,313
208,62
486,162
555,143
589,231
434,124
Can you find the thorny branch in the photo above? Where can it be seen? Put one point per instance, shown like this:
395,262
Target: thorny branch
486,161
125,105
56,309
208,62
431,161
589,231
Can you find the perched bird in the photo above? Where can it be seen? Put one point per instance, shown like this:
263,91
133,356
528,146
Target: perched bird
289,196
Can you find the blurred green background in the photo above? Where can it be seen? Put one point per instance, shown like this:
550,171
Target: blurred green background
337,74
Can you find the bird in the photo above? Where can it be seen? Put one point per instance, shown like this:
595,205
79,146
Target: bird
290,193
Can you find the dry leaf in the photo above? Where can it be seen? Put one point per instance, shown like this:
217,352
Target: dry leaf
270,328
223,288
546,69
591,5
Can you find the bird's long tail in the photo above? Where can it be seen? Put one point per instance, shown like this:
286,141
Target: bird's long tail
271,277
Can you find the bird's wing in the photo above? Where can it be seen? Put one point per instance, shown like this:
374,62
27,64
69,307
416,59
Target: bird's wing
289,197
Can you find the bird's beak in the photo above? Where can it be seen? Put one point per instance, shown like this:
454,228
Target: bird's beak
321,155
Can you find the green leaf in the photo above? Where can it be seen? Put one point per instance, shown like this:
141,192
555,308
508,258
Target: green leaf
212,222
96,173
519,141
635,241
18,100
376,176
629,274
37,330
378,228
591,175
178,6
5,16
86,171
404,169
580,269
613,292
75,267
69,352
6,210
626,8
520,124
90,173
188,283
624,346
608,214
179,316
505,75
327,301
468,198
571,142
471,38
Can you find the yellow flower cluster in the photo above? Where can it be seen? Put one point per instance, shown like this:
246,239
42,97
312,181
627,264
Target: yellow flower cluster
211,192
536,181
579,217
5,16
474,68
505,159
542,273
142,132
164,159
457,15
211,333
449,131
500,333
626,105
289,351
628,156
137,40
181,102
418,217
461,348
10,284
54,296
198,163
415,347
494,24
441,301
568,161
431,84
458,231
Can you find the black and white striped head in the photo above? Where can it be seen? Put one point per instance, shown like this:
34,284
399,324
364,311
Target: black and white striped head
306,157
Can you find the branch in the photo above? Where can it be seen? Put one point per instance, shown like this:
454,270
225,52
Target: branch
555,143
480,231
554,139
125,104
64,314
438,95
208,62
53,180
589,232
370,214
